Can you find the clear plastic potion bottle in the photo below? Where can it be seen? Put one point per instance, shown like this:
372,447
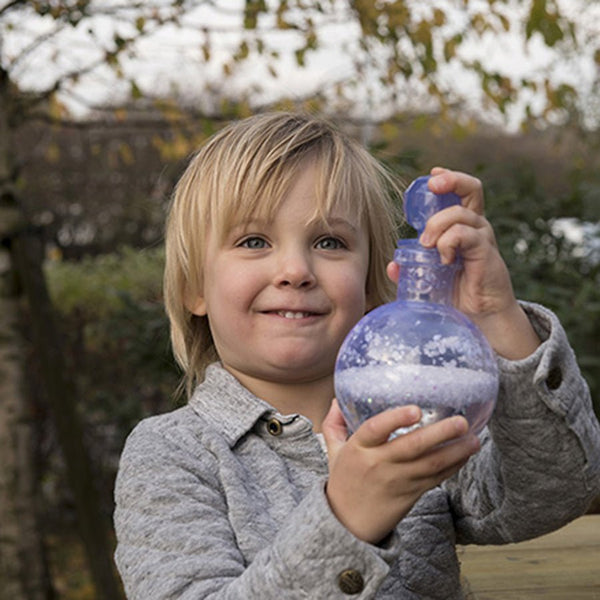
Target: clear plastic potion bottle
418,349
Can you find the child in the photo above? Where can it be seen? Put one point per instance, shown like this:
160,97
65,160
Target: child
277,243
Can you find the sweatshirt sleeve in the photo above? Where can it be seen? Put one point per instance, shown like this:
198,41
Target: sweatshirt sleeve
175,538
539,465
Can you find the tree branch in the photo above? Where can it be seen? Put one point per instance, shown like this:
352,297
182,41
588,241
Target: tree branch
34,45
10,5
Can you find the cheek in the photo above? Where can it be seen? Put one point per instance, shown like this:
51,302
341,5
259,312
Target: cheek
352,291
228,294
225,321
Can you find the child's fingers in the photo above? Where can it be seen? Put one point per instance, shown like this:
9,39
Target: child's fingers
445,460
454,215
424,440
472,244
437,478
377,430
432,465
469,188
393,271
411,446
457,227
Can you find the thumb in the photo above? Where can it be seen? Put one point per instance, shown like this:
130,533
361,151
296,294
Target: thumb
334,430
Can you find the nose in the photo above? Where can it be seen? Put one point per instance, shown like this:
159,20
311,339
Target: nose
295,270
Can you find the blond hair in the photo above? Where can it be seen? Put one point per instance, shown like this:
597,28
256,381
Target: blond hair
244,170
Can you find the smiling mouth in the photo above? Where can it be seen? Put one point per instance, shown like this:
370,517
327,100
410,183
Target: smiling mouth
291,314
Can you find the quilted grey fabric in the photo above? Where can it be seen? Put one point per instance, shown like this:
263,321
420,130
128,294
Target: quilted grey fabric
212,502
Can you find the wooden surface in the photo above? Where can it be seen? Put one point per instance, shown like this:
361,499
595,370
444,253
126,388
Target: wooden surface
563,565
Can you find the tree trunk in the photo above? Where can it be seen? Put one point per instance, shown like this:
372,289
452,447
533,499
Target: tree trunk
61,392
23,568
24,283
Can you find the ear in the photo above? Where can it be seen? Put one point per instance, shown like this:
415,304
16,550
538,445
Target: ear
196,305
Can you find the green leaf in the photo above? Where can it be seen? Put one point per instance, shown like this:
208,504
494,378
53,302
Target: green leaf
242,52
544,22
300,54
136,93
119,42
252,10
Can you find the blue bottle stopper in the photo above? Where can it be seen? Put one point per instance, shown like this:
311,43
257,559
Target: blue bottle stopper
420,203
418,349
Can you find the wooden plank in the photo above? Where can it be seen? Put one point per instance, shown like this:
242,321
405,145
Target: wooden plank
562,565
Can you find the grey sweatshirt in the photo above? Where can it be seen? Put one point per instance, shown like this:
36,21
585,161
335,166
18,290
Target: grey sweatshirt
224,498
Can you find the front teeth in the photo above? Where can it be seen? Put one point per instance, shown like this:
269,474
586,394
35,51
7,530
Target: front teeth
288,314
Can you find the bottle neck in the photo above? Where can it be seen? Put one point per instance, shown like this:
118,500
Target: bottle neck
423,277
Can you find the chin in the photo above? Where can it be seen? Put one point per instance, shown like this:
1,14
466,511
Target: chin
298,373
286,367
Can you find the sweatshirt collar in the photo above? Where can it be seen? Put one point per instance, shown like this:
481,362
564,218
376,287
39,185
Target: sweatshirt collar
227,405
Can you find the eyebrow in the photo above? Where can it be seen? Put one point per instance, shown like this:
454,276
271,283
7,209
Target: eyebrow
249,224
329,222
338,221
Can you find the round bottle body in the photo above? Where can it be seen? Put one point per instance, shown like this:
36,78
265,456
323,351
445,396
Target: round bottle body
419,349
418,353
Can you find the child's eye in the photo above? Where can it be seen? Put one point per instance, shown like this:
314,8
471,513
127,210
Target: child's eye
330,243
253,243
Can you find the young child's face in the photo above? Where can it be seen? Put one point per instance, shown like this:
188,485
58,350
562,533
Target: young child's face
281,295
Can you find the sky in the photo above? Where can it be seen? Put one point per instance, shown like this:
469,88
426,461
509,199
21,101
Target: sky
171,61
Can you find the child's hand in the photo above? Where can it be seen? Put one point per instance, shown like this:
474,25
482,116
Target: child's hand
373,483
483,288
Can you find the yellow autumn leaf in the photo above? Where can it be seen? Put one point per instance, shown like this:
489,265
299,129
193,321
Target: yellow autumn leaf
52,153
56,109
126,153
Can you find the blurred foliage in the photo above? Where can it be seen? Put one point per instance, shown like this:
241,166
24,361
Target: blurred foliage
97,287
110,304
117,345
549,268
70,573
